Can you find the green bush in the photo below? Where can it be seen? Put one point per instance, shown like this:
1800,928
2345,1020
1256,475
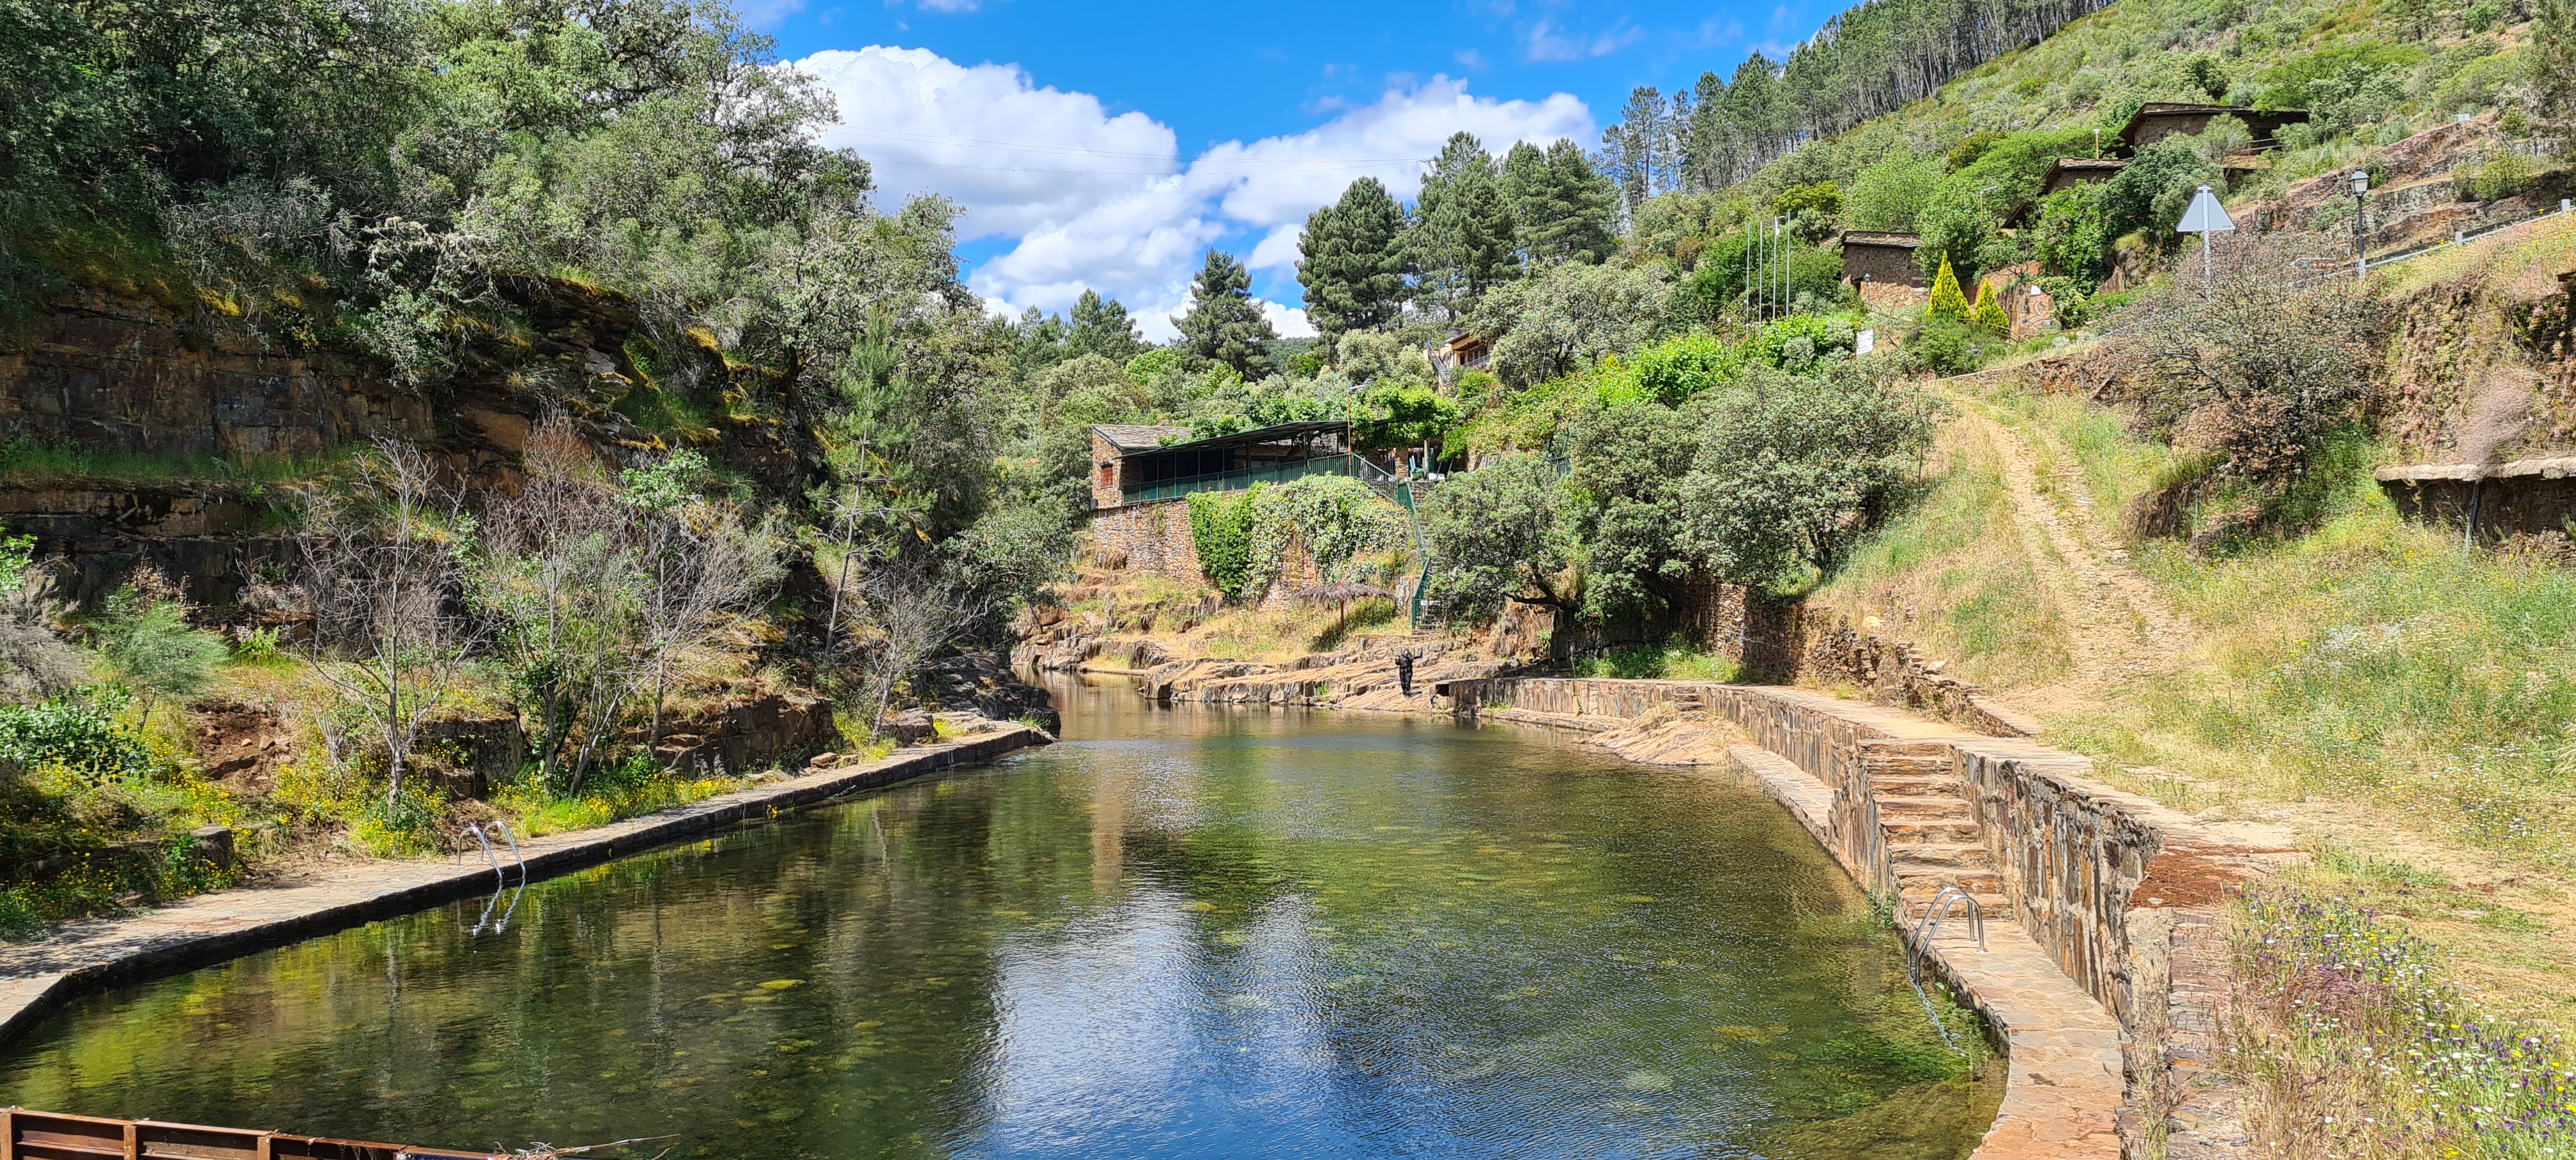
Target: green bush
1948,346
1221,530
1335,517
78,731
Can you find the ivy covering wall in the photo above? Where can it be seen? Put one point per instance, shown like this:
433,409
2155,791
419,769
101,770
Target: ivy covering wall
1243,537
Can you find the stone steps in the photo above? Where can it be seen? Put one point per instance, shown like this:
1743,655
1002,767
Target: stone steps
1929,879
1905,833
1914,787
1915,904
1882,762
1963,855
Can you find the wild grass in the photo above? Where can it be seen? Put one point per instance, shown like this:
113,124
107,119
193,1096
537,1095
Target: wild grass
1678,659
2378,661
541,813
1946,573
2357,1044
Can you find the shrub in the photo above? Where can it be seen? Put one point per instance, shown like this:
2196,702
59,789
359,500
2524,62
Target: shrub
78,731
1947,301
1947,346
1221,530
2251,370
147,643
1337,518
2504,175
1988,315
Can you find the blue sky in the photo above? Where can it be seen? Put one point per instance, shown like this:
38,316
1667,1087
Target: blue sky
1107,146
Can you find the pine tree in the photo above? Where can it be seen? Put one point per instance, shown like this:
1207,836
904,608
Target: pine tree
1464,237
1224,324
1560,205
1947,302
1101,327
1352,264
1988,315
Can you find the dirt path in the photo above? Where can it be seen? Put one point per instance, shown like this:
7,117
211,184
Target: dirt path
2119,629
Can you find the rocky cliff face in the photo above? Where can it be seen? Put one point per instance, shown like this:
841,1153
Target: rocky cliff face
129,374
170,402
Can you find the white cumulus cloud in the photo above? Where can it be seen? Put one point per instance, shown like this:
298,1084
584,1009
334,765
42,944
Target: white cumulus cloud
1016,156
1273,183
1544,41
1289,321
1090,200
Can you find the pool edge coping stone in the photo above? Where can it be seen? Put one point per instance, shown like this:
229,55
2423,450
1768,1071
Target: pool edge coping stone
90,954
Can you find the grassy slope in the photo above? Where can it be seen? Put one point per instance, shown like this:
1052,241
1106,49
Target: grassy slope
2406,710
2139,50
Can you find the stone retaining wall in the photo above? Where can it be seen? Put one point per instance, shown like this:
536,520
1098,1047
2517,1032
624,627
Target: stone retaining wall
1150,537
2074,851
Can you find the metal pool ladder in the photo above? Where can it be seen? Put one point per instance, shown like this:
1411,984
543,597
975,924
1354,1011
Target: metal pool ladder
1924,930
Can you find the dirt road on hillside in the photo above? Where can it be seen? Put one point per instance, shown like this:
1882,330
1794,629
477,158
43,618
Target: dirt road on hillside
2118,628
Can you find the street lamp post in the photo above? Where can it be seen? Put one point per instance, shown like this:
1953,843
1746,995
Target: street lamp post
2360,223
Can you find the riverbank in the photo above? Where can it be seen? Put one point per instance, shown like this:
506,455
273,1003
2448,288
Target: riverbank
95,953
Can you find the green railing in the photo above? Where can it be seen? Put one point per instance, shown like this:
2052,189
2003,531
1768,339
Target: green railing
1350,465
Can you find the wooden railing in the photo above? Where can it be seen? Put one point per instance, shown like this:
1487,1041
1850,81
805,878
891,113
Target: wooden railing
26,1135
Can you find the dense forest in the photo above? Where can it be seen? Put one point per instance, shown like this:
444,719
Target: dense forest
1866,61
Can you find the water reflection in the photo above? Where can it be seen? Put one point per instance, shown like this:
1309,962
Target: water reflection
1179,933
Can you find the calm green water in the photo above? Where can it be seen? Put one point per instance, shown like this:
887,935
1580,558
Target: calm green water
1181,933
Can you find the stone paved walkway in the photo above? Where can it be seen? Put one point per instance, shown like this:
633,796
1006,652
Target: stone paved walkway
2062,1099
227,923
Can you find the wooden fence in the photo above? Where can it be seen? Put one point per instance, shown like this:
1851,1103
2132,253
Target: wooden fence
26,1135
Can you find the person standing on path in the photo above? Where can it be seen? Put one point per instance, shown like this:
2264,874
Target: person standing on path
1404,669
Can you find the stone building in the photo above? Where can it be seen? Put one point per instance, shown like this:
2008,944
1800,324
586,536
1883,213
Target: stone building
1883,259
2070,172
2157,120
1133,464
1113,442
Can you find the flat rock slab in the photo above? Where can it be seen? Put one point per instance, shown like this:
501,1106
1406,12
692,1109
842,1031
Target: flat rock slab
212,927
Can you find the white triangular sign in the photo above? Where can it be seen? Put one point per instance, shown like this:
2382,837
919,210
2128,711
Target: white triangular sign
2205,216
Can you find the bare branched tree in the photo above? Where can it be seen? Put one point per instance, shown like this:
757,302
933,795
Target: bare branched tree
915,611
700,565
384,565
563,583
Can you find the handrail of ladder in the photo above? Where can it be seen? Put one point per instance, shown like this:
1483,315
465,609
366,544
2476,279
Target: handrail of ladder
1924,930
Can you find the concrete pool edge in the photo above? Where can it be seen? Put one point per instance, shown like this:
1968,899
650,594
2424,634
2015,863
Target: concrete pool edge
85,956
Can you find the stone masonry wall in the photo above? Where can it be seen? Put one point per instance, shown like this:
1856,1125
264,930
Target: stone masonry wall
1152,537
2073,853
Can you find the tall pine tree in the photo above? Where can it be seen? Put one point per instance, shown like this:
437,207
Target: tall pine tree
1351,265
1561,206
1463,238
1102,327
1224,325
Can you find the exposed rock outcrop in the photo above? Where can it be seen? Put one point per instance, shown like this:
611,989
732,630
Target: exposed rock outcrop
751,733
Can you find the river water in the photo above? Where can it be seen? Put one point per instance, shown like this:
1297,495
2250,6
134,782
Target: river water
1181,932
